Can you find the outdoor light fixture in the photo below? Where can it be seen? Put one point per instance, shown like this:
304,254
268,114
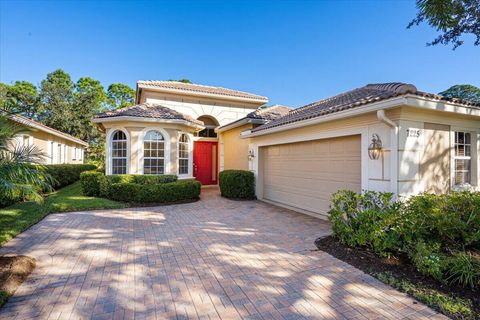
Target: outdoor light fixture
375,148
251,155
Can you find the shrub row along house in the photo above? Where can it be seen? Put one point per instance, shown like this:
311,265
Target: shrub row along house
382,137
57,147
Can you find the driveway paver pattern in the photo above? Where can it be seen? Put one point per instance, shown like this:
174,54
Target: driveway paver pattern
212,259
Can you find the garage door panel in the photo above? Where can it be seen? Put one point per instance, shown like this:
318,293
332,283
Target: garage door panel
304,175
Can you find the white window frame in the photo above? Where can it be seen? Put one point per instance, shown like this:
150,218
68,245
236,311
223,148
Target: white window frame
190,155
74,153
109,157
162,158
166,150
455,157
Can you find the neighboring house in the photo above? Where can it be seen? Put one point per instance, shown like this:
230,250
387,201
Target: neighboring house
57,147
172,129
382,137
429,143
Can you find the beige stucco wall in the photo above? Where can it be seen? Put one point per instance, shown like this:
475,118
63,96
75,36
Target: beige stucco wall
42,140
135,132
224,111
234,149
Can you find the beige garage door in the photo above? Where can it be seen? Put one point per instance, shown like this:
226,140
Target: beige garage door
304,175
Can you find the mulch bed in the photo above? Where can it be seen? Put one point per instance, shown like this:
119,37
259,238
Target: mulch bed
368,262
13,271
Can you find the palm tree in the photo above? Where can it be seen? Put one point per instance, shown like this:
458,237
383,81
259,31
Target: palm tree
21,176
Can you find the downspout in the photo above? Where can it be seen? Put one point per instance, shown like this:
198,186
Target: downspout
382,117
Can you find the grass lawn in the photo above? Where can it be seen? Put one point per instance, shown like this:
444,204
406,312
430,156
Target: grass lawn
19,217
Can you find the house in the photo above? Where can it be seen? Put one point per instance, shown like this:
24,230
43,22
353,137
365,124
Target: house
58,147
383,137
171,129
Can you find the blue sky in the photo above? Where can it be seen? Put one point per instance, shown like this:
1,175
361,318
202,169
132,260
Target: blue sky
294,52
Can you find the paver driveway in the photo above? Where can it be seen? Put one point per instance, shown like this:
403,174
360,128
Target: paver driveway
215,258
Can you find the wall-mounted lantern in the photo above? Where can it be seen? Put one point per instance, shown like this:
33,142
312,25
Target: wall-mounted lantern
375,148
251,155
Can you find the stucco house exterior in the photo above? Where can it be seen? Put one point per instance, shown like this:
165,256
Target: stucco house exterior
58,147
383,137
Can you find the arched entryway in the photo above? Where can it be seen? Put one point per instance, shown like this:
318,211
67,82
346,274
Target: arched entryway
205,152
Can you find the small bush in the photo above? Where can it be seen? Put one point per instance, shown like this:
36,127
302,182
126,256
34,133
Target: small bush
156,193
237,184
92,183
429,260
65,174
141,179
463,268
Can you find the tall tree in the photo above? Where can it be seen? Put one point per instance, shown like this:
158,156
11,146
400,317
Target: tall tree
56,101
453,18
21,97
463,91
119,96
89,98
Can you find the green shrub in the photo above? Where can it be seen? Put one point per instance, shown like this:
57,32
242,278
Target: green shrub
92,183
368,219
65,174
155,193
141,179
428,259
237,184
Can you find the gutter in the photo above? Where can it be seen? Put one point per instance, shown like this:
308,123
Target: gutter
239,123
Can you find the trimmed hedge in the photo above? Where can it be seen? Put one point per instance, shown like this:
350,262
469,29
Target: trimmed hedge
139,188
156,193
237,184
65,174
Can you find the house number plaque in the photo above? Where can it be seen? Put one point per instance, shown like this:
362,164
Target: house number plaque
414,133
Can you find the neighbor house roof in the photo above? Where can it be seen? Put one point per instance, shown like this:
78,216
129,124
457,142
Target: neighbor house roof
355,99
146,111
176,86
259,116
41,127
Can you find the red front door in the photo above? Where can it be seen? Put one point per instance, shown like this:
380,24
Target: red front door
205,161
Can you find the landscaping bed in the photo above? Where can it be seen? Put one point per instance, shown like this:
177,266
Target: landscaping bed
13,271
384,268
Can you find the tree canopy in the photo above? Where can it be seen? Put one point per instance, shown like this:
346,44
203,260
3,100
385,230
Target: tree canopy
120,96
463,91
453,18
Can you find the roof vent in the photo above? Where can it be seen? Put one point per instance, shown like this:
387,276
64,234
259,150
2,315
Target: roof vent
397,87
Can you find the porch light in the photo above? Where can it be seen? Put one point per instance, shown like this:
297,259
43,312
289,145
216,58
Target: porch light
251,155
375,148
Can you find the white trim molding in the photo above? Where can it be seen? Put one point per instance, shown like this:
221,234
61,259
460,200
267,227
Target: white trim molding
189,175
149,120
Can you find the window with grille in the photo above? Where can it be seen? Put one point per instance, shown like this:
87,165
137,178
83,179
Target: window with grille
119,153
462,158
183,154
153,153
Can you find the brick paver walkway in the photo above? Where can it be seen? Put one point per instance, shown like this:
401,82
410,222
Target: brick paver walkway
211,259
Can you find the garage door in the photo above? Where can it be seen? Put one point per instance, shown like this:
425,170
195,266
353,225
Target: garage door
304,175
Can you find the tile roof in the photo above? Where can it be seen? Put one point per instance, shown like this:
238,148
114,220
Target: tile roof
354,99
190,87
40,126
148,110
269,113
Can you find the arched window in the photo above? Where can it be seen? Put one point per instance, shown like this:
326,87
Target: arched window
119,153
153,153
183,154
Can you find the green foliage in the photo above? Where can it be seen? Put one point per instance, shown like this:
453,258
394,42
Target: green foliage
237,184
19,217
18,178
463,91
368,219
65,174
454,307
20,97
141,179
170,192
181,80
452,18
463,268
119,96
437,232
92,183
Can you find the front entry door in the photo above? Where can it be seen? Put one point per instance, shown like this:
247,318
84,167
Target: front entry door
205,162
